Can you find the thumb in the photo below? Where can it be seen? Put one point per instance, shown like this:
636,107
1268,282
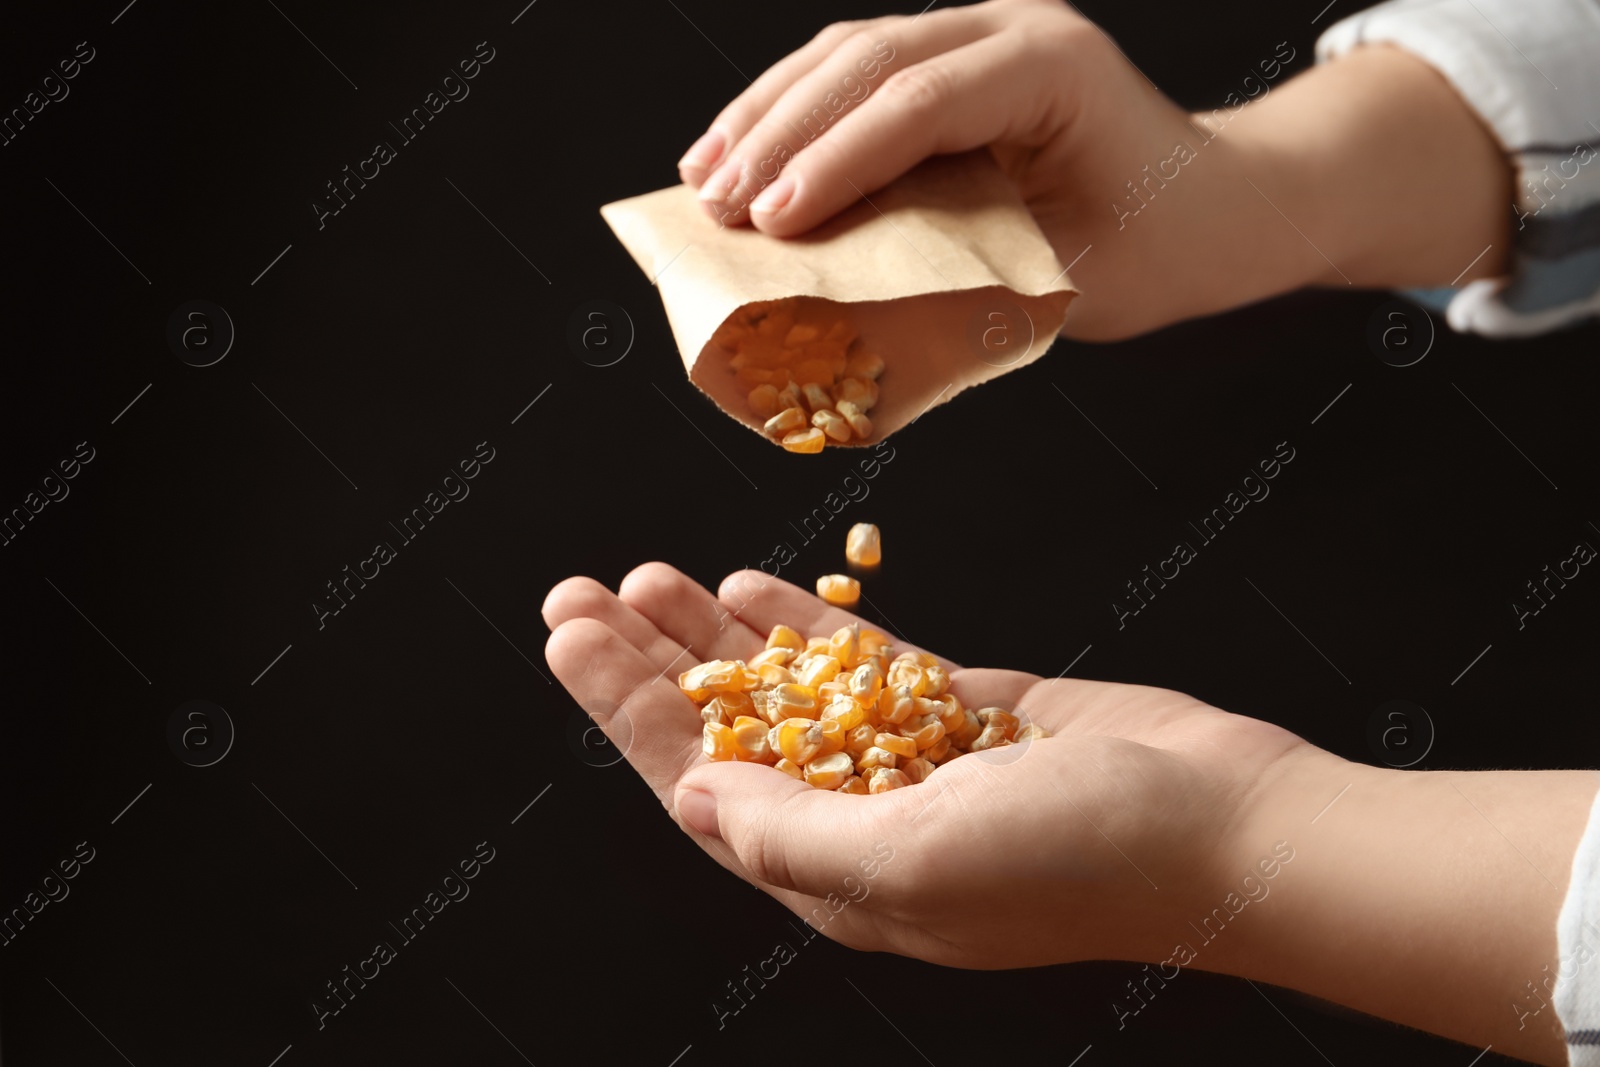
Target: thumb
953,102
787,834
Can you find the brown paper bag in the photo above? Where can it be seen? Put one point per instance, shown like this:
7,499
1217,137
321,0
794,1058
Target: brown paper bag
944,273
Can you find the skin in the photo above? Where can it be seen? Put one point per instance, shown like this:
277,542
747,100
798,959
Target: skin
1429,898
1368,171
1145,809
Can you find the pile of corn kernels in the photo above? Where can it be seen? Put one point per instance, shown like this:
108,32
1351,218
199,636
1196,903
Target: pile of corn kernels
801,377
839,713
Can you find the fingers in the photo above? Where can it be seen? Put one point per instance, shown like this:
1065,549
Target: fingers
786,833
761,602
688,614
858,67
580,598
640,709
955,101
984,687
735,120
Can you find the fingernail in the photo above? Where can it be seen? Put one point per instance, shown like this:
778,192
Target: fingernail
721,183
699,810
704,152
775,197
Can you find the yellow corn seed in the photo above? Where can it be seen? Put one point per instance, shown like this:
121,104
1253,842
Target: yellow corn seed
997,717
792,699
908,674
778,656
771,674
817,670
844,710
868,365
860,739
838,589
967,731
854,785
926,734
828,690
887,778
800,333
863,394
816,397
860,425
833,424
785,421
990,737
903,747
830,771
1031,732
865,683
785,637
763,401
876,757
863,545
717,742
896,703
789,398
817,646
793,770
939,751
750,736
845,645
804,441
938,680
917,770
718,676
796,741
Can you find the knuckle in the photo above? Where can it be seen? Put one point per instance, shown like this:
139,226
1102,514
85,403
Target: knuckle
920,89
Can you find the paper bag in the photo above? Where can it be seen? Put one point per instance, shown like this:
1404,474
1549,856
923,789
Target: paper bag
944,273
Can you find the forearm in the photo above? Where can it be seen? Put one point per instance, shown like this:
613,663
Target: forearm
1391,179
1428,898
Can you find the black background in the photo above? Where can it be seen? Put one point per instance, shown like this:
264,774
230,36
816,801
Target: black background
418,722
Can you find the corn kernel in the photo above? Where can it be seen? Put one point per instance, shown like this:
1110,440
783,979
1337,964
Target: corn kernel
785,421
909,675
938,680
876,757
833,424
776,656
838,589
858,740
830,771
816,397
845,645
800,333
917,770
725,707
860,425
997,717
865,683
750,737
717,742
805,441
792,699
1030,732
855,785
828,690
718,676
925,734
887,778
863,394
903,747
785,637
789,397
817,646
868,365
817,670
793,770
774,675
990,737
844,710
896,703
863,545
939,751
763,401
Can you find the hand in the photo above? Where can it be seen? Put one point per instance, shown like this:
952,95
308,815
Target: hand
1367,171
1027,855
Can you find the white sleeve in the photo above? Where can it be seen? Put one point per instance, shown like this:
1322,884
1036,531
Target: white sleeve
1531,70
1577,981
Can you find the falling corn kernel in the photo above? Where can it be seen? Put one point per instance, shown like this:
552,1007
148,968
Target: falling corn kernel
839,590
863,545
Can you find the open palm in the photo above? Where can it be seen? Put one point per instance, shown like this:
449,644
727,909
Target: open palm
1055,850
